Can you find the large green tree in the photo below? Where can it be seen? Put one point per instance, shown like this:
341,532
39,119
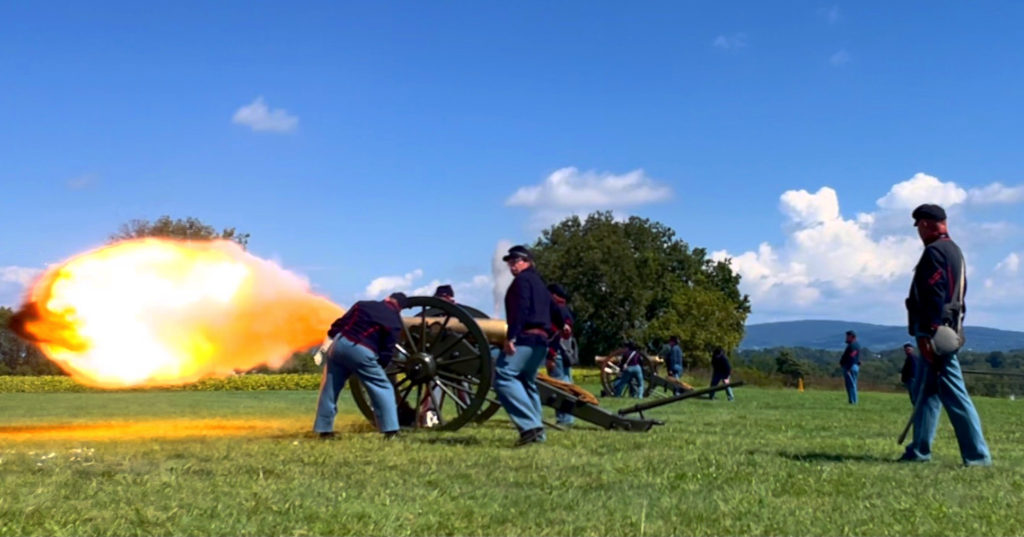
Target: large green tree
635,280
188,228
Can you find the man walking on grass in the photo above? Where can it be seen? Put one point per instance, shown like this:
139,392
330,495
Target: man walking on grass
935,313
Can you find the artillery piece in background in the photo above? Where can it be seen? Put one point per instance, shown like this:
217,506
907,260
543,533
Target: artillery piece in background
611,370
443,367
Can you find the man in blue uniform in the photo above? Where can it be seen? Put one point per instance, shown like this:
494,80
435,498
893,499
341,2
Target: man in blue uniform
364,341
935,311
632,372
529,312
850,362
908,370
721,371
675,361
563,352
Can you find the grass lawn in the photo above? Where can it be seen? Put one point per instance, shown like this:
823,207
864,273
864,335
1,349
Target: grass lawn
772,462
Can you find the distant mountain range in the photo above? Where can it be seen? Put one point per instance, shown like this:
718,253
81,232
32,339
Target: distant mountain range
831,335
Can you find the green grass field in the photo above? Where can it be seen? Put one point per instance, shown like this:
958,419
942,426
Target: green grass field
773,462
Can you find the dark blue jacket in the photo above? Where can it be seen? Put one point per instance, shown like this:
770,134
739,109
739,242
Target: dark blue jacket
528,307
675,357
720,365
631,358
373,324
935,290
851,355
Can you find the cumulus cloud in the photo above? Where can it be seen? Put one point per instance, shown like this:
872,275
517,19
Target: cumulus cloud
259,117
473,292
922,188
730,42
841,57
385,285
568,191
996,193
858,268
22,276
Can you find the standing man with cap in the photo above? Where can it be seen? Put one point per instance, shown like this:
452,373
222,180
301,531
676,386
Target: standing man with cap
529,312
563,352
850,362
675,361
364,341
935,313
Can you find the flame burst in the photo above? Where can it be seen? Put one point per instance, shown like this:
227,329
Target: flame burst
152,312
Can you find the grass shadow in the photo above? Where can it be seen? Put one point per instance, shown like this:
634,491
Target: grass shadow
817,456
450,440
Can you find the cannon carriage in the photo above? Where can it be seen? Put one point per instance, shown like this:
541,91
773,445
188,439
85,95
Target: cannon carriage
443,367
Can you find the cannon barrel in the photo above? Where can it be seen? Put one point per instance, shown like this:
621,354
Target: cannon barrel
494,329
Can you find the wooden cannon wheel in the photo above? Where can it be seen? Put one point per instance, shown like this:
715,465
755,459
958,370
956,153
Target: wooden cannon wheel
442,377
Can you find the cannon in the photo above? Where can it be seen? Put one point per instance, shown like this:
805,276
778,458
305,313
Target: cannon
611,369
443,367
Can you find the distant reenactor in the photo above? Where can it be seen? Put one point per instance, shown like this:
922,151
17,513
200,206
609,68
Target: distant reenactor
364,342
850,362
632,374
674,361
935,314
563,353
721,371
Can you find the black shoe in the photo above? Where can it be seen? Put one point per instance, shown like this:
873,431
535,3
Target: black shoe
532,436
326,436
391,435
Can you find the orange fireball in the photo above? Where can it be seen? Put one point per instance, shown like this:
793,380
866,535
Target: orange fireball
150,312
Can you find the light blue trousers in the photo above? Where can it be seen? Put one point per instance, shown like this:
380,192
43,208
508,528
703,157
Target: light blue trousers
630,373
515,380
715,379
346,358
562,372
944,383
850,378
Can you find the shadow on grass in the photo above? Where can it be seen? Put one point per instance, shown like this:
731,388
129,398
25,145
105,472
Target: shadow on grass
450,440
817,456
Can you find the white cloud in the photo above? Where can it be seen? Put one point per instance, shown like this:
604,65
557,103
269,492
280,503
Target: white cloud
1010,265
996,193
730,42
22,276
922,188
386,285
473,292
568,191
841,57
830,14
257,116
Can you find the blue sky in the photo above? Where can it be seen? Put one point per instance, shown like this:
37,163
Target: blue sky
377,146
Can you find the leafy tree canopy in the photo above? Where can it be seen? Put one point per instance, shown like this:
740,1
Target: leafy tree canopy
635,280
189,228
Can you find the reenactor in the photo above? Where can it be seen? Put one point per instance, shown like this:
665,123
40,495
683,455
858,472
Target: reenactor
563,352
528,312
364,342
935,313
